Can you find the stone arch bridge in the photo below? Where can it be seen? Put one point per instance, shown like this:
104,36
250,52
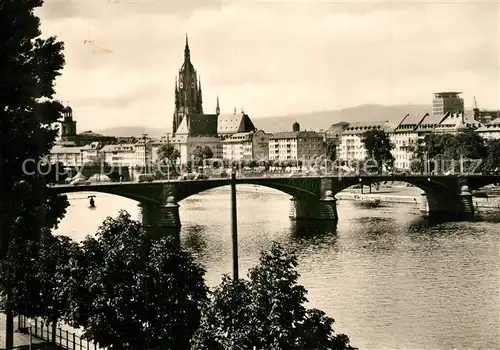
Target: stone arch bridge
311,197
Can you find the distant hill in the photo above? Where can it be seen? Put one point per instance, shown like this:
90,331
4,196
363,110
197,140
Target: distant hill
307,121
324,119
135,131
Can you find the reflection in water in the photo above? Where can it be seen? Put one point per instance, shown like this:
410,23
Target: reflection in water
194,240
313,229
391,279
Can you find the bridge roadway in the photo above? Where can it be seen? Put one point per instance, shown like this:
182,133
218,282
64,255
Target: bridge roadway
312,197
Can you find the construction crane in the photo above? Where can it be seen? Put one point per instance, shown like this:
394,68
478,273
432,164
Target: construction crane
475,103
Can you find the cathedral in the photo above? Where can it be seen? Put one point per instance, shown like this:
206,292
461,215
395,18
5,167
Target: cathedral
191,127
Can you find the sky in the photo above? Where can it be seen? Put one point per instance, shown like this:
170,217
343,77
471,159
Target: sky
270,58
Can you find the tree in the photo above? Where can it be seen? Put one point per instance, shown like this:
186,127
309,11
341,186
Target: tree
331,150
55,173
445,152
28,114
167,161
168,154
378,146
468,149
201,153
44,270
434,146
139,293
266,312
491,162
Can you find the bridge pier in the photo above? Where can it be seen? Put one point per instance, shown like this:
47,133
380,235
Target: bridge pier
459,206
314,209
161,216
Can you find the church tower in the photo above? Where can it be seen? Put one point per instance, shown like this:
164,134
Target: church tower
68,125
188,95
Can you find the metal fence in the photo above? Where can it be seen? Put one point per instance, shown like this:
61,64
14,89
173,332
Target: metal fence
64,338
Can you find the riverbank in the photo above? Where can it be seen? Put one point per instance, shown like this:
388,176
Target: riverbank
412,195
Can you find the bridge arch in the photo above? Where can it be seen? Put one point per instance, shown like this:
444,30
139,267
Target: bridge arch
108,190
440,192
187,189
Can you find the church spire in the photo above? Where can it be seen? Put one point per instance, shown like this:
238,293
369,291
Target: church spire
177,102
187,53
217,109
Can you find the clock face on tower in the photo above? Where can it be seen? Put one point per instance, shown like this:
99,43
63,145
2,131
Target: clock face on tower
181,85
192,85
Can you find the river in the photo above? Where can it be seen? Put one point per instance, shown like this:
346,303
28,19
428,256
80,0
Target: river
391,279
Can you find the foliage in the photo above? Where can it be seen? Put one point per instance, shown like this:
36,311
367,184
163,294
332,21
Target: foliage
138,293
331,150
28,114
43,271
55,173
378,146
266,312
492,160
168,154
201,153
167,161
442,153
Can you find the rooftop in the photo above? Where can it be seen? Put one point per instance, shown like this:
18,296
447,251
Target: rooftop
118,148
66,150
295,135
446,94
362,127
234,123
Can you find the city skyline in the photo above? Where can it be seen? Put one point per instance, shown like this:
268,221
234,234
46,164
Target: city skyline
270,58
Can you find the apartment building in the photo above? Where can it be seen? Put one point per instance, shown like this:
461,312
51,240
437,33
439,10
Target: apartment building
119,155
491,130
405,140
69,156
351,146
74,156
246,146
143,152
296,144
453,123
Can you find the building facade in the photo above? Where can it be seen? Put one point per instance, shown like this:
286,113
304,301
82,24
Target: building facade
453,123
69,156
143,152
351,146
405,139
246,146
447,102
296,145
75,156
490,131
123,155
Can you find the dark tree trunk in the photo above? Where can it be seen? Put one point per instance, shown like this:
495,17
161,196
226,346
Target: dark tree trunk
9,326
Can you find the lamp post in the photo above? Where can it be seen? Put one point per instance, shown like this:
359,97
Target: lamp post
234,225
